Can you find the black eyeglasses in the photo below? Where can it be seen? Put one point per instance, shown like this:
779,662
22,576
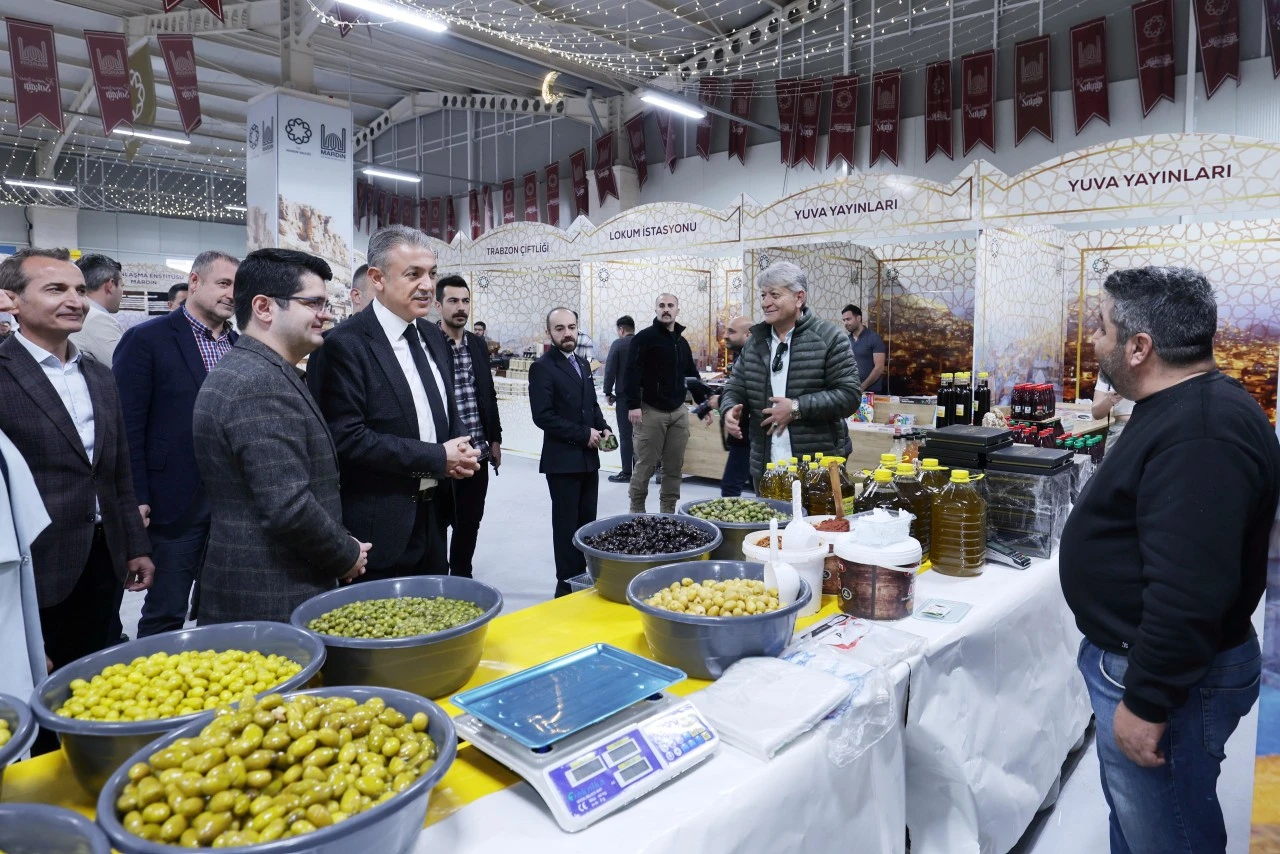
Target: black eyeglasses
316,304
777,356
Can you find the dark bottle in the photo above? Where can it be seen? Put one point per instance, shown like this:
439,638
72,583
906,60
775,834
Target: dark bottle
981,398
946,400
964,401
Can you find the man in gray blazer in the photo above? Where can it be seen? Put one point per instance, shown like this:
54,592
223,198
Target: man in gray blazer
104,289
265,455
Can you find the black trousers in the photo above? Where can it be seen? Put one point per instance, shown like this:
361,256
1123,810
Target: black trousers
573,504
468,497
426,553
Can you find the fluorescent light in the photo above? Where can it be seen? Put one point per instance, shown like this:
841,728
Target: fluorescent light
240,208
405,13
182,265
39,185
675,105
377,172
159,137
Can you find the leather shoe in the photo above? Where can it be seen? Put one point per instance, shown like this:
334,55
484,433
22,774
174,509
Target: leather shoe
619,478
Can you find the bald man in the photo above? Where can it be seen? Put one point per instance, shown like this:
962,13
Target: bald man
737,468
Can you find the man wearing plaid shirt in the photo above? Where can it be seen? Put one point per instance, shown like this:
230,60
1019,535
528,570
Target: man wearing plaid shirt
477,402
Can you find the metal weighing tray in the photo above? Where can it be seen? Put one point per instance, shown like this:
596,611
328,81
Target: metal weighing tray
544,704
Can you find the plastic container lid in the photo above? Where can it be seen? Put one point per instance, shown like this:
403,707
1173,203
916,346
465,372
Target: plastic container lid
946,377
889,459
793,469
931,464
959,476
883,476
982,375
904,554
906,468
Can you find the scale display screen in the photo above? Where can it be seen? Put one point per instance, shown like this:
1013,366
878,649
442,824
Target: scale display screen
585,771
622,751
636,769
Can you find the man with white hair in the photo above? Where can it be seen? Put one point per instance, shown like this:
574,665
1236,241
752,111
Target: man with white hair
796,377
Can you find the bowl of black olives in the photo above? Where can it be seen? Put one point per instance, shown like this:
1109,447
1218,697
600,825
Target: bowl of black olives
621,547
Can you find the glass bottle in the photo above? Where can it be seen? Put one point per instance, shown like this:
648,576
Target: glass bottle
958,545
921,500
963,400
981,398
946,400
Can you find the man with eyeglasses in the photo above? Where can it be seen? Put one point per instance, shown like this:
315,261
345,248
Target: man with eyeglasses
268,463
796,377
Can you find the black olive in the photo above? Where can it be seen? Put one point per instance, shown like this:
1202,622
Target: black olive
650,535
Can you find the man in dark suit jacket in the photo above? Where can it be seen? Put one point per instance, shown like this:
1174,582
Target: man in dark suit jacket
384,380
63,413
159,367
269,465
563,399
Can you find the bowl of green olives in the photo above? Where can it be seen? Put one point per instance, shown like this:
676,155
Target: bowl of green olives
146,687
422,634
736,517
43,829
17,732
310,771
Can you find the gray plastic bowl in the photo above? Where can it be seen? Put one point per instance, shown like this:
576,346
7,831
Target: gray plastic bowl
733,533
22,728
613,572
41,829
390,828
432,665
96,748
704,647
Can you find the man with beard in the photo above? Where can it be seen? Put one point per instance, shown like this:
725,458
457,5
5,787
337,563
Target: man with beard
477,402
1164,559
563,400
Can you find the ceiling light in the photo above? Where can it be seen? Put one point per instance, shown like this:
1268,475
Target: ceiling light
402,12
39,185
675,105
239,208
159,137
374,172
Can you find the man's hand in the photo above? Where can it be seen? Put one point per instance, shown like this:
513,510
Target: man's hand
612,400
777,416
706,419
144,510
733,422
596,436
1138,739
357,568
1113,398
636,417
461,460
495,453
139,573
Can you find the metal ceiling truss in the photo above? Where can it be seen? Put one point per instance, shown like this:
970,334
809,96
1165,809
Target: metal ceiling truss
253,15
761,34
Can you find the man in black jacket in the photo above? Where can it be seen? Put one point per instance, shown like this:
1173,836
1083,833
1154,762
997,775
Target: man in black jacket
1164,560
563,401
658,366
615,372
477,402
737,465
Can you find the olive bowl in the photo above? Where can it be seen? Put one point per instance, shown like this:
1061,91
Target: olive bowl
613,571
22,732
43,829
733,533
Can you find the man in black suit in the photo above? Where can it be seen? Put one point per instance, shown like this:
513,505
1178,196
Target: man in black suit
615,371
477,402
159,367
563,399
384,380
63,414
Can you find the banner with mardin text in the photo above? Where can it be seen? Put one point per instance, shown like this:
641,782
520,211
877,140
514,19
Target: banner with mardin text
708,94
787,93
473,203
886,115
578,174
34,62
639,157
180,61
1088,42
508,201
1153,50
1218,28
1032,98
606,184
808,113
842,126
978,100
109,60
938,118
740,105
553,194
667,134
531,197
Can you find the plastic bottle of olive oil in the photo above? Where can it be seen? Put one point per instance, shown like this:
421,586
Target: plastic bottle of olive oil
921,500
958,545
769,481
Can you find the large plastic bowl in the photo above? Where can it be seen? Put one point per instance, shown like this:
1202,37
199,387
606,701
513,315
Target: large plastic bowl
432,665
704,647
96,748
40,829
22,729
730,547
390,828
613,572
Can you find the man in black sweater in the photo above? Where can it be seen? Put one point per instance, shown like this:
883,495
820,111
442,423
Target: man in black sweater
657,366
1164,559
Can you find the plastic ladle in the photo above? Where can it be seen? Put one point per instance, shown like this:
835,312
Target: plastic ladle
799,534
780,576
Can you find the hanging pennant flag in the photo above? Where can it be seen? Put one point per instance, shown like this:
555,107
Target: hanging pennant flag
531,197
362,193
1032,100
180,60
34,62
1153,47
450,219
435,220
842,124
787,93
667,134
473,202
382,208
740,106
1088,44
142,97
109,61
486,202
578,172
886,115
1272,8
977,100
508,201
553,194
606,183
424,216
214,6
170,5
708,94
810,110
347,19
1218,28
393,216
939,132
635,136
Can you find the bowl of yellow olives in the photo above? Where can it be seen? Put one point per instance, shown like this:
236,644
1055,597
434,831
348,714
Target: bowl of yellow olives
324,771
17,732
108,705
42,829
703,616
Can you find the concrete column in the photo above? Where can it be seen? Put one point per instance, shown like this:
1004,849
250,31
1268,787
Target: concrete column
53,228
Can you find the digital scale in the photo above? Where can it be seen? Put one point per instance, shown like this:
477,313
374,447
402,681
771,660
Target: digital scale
591,731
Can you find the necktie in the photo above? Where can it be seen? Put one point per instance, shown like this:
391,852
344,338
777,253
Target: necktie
577,369
428,382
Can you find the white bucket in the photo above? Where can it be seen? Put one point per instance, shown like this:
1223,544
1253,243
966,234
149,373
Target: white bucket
808,562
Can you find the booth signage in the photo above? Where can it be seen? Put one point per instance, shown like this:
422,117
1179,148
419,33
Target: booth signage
1088,43
740,106
1153,49
531,197
886,115
578,174
109,60
180,60
843,123
635,137
708,94
977,100
34,63
1032,98
1218,28
673,227
938,119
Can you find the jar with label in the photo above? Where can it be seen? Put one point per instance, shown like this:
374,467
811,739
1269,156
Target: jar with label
878,582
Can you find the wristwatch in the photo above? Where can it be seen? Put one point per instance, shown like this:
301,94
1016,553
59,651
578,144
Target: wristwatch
795,410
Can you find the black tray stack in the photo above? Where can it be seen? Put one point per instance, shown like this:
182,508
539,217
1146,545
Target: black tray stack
1028,497
961,446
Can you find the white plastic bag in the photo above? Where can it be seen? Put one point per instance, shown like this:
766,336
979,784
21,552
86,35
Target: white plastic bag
869,712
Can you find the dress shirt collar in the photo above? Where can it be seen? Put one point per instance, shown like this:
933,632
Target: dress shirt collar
568,356
199,326
391,323
93,305
43,356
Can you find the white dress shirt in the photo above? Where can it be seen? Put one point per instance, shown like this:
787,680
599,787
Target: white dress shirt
99,335
780,444
394,328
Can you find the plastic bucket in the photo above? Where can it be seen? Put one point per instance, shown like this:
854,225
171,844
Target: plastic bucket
808,563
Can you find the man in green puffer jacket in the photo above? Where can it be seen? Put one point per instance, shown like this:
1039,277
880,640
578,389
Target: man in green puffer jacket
796,371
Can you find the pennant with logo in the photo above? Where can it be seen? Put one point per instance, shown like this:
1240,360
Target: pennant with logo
34,62
635,137
180,60
1218,27
531,197
708,94
1273,34
553,194
977,100
436,223
142,97
1153,49
886,115
667,134
473,203
486,205
109,61
450,220
383,204
424,217
606,183
740,105
393,217
1088,44
214,6
787,93
578,173
508,201
939,131
1032,100
842,126
809,111
362,190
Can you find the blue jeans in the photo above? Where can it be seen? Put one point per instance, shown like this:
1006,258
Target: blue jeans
737,471
177,549
1172,809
